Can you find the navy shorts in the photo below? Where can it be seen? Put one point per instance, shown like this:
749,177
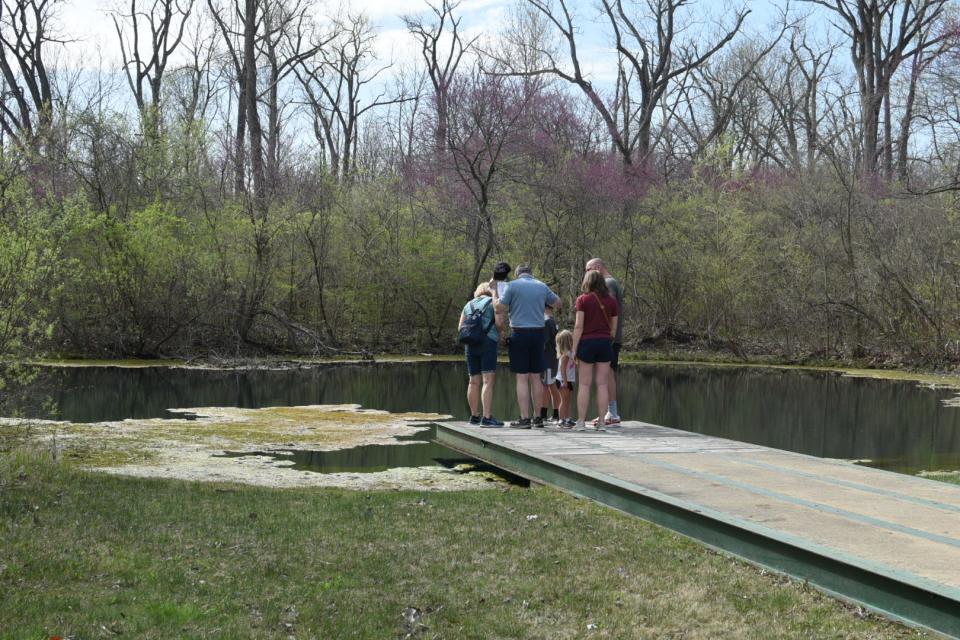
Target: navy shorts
482,358
594,350
526,351
615,363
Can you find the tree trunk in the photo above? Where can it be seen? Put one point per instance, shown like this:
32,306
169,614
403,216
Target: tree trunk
871,133
903,140
887,137
239,142
250,102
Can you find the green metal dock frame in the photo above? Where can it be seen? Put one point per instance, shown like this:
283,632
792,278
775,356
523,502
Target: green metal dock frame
910,599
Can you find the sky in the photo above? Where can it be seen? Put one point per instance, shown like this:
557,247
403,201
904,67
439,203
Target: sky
88,21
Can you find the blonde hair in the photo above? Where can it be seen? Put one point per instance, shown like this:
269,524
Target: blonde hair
483,289
564,343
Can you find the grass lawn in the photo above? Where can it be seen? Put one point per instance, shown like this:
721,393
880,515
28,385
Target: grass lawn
90,555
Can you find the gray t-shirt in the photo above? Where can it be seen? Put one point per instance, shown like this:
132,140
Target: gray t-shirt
526,297
617,293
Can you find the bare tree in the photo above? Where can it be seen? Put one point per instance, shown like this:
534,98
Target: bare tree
405,115
795,84
442,48
938,111
882,34
148,38
486,113
230,22
195,84
335,87
251,23
276,36
287,42
814,67
920,63
563,20
25,33
654,61
649,62
733,98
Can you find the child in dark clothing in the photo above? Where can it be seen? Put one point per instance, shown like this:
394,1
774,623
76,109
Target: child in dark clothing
550,394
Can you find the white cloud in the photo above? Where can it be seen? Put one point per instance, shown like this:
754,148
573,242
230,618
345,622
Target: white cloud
379,10
91,39
396,45
387,9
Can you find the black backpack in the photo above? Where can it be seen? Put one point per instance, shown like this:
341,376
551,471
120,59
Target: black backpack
473,333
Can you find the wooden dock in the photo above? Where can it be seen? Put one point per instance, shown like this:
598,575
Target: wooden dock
888,541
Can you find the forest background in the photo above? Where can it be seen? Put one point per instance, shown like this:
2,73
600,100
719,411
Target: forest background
256,177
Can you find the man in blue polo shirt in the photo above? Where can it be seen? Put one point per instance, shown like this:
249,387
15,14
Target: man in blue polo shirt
525,299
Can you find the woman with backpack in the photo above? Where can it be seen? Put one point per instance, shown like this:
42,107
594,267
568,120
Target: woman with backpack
479,332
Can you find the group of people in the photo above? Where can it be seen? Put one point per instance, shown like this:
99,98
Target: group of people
546,362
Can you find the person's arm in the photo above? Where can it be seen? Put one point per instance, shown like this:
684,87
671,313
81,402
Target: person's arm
562,367
499,317
553,300
615,319
502,304
577,332
463,319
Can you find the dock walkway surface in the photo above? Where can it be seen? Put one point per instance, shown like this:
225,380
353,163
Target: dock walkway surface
886,540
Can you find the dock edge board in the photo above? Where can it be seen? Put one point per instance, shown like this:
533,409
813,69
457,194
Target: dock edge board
908,599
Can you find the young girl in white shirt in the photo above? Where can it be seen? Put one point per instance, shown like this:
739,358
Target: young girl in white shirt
566,376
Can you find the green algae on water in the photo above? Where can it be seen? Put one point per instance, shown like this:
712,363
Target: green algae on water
191,447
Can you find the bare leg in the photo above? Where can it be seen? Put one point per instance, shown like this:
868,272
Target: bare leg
565,402
487,394
523,394
584,382
554,396
612,386
473,395
536,392
603,369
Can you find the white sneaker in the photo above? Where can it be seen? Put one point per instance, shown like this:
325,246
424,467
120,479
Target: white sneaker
609,420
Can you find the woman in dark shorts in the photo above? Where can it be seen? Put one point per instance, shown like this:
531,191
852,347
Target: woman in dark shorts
593,343
482,359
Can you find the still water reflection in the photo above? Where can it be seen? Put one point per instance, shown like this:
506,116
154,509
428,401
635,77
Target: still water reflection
898,425
368,458
371,458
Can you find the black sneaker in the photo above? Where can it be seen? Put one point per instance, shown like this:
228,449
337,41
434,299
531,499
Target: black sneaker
538,422
490,423
474,419
522,423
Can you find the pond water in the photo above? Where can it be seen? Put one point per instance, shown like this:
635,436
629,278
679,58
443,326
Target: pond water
371,458
368,458
896,425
